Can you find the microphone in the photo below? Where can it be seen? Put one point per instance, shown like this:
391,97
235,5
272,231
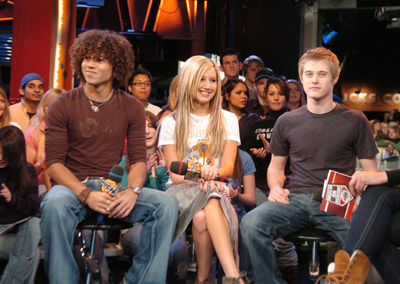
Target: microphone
111,184
192,173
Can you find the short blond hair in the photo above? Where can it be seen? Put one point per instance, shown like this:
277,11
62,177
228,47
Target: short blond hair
320,54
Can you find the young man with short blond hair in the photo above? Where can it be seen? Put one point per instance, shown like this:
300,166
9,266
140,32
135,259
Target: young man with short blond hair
318,137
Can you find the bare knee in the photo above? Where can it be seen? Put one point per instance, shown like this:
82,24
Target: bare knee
199,221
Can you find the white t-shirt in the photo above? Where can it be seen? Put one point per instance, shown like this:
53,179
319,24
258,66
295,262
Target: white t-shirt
198,145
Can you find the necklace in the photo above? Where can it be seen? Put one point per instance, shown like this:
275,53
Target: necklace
97,108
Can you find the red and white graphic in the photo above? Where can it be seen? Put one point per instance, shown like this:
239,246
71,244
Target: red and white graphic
336,196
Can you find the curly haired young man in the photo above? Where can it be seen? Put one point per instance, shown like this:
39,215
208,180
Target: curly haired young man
85,133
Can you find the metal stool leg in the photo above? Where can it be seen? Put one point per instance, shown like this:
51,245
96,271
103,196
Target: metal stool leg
94,275
314,263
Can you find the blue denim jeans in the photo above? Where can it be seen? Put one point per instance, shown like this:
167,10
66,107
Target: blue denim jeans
22,251
375,229
61,213
273,220
178,252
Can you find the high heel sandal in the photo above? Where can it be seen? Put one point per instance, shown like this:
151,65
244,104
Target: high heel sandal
236,280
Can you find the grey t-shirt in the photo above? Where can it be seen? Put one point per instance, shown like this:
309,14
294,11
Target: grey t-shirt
317,143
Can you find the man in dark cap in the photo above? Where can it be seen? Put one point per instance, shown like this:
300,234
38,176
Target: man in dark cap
31,92
258,104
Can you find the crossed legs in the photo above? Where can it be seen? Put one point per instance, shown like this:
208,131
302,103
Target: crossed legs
211,230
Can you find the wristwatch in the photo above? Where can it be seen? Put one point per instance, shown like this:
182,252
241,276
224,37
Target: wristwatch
84,194
135,188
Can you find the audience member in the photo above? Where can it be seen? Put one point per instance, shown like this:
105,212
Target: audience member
235,96
296,98
201,133
393,134
140,87
34,139
376,129
85,132
5,117
242,192
277,95
393,124
230,64
173,89
251,65
384,128
319,137
156,170
156,178
19,203
31,91
394,115
258,105
391,143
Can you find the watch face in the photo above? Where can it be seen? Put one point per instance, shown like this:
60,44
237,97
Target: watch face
136,189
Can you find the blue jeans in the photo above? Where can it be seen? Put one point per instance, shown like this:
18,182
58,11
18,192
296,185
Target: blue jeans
61,213
375,229
273,220
178,252
22,251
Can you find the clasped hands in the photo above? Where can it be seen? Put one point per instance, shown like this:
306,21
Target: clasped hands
208,174
118,206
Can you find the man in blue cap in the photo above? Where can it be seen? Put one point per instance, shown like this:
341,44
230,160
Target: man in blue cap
31,91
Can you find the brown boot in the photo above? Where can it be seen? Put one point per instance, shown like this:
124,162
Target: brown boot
358,268
342,260
209,280
233,280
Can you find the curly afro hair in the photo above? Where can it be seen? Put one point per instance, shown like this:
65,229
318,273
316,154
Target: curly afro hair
109,45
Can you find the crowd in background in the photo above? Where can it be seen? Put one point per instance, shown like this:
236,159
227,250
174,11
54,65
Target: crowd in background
255,98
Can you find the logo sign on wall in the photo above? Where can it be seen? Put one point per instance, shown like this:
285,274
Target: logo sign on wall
370,100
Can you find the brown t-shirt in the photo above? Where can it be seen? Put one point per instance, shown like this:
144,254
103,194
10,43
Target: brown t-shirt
89,143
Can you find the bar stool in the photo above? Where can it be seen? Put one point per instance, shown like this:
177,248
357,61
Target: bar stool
92,269
313,236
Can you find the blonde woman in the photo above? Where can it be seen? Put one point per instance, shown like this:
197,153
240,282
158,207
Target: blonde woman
4,109
5,117
34,138
168,108
200,133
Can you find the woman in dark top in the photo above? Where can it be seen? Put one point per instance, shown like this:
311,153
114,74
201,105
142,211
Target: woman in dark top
375,227
235,97
19,201
277,95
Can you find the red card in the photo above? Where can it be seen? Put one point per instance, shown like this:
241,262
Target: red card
336,196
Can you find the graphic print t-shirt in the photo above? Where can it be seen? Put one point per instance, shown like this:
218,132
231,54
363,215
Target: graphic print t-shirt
198,144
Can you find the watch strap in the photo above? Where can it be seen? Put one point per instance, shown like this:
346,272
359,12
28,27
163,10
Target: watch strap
84,194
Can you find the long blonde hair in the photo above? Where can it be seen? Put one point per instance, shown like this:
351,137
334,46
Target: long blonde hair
6,117
44,102
189,81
